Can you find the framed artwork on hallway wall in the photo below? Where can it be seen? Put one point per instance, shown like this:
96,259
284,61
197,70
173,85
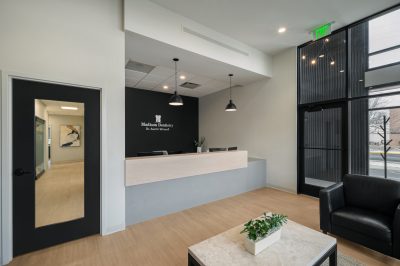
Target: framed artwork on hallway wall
70,136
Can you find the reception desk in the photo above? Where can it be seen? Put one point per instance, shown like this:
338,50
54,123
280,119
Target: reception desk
152,191
142,170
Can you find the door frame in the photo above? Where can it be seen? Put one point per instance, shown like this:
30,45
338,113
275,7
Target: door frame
6,221
301,186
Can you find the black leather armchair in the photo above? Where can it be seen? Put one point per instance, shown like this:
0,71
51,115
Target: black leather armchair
365,210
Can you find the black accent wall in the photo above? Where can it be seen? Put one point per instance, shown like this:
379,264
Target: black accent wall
176,132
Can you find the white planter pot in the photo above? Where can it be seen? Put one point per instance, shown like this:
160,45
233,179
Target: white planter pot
199,149
255,247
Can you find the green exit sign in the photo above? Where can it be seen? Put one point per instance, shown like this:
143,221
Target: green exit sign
321,31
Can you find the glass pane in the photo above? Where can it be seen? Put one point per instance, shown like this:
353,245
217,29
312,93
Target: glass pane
322,168
388,89
384,102
384,31
322,129
368,37
377,129
323,69
322,146
59,188
389,57
366,136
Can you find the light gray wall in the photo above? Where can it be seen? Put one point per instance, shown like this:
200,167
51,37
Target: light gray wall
265,123
65,154
74,42
147,201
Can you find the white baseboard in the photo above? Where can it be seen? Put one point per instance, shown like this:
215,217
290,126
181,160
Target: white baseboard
114,229
282,189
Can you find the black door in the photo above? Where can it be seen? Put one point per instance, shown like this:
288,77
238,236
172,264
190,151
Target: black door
322,152
61,203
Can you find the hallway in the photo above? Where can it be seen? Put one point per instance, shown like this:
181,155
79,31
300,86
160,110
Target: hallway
60,194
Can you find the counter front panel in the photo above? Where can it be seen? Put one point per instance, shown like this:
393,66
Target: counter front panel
142,170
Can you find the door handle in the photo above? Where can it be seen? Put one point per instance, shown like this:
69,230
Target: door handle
20,171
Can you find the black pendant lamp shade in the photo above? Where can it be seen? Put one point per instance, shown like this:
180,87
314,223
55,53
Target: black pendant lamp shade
230,107
175,99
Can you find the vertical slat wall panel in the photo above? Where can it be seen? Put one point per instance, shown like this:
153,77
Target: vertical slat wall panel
358,59
322,81
358,64
359,150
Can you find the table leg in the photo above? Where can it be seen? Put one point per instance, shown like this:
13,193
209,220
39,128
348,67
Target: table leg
333,258
192,261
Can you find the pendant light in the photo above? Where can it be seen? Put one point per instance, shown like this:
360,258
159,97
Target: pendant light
231,107
175,99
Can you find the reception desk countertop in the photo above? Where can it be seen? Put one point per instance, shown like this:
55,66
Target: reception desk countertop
142,170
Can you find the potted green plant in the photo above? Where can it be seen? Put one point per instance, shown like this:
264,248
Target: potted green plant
263,232
199,143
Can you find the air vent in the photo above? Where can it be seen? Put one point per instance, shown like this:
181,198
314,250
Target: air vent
139,67
189,85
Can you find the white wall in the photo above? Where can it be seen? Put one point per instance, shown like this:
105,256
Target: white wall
156,22
265,123
66,154
40,110
76,42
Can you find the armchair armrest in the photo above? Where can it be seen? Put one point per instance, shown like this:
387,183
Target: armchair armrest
396,233
330,199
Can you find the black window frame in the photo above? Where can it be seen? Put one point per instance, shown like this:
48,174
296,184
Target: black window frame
345,101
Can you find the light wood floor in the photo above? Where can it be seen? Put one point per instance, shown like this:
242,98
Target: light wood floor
164,241
60,194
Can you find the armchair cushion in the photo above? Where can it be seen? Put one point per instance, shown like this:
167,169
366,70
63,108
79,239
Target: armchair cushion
372,193
369,223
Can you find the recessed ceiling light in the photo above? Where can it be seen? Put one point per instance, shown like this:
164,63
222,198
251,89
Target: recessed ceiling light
165,87
69,108
341,71
361,80
322,55
313,62
282,30
332,63
326,39
182,77
303,57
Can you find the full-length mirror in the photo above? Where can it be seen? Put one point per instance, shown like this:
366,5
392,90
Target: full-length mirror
59,161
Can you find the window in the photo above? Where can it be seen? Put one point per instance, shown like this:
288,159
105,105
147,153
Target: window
385,58
323,69
342,106
384,39
384,31
381,109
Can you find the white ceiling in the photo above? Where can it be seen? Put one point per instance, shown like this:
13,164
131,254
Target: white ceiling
212,75
54,108
255,22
